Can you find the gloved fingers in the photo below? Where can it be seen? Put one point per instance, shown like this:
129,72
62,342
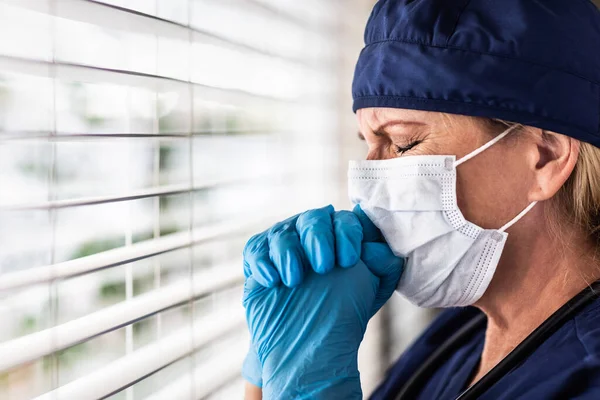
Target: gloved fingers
257,262
380,260
315,228
370,232
252,369
285,252
348,238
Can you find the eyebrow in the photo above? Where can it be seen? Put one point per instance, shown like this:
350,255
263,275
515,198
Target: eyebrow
399,122
380,130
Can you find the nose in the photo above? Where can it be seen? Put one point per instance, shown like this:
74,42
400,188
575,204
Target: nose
378,153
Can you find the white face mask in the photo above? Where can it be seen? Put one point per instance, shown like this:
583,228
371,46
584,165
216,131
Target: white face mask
412,200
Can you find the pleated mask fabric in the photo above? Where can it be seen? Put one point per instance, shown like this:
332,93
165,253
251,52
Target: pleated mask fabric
449,261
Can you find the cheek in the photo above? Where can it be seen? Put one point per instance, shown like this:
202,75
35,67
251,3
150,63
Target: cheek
492,190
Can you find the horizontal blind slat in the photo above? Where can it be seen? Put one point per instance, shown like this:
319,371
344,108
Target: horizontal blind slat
115,17
168,190
149,359
39,344
123,255
91,73
69,136
207,378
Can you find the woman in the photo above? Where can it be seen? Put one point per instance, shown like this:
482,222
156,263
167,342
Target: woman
457,207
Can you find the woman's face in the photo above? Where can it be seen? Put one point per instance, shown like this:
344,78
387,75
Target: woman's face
492,188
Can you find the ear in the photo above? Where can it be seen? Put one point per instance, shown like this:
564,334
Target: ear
555,156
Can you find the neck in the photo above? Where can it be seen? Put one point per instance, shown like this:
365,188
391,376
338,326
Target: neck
536,276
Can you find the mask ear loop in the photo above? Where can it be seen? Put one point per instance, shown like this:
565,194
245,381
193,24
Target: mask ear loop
485,146
518,217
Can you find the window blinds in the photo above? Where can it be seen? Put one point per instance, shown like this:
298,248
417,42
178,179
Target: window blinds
141,143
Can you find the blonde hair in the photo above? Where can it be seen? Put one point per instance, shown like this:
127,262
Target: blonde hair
579,198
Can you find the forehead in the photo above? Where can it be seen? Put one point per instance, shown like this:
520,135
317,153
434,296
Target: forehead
380,115
438,127
372,119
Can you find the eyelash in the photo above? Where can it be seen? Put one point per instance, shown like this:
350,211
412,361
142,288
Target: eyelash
401,150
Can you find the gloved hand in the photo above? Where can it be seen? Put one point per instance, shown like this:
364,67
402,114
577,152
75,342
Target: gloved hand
306,338
316,239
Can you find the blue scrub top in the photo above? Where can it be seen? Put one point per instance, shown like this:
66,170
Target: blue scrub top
565,366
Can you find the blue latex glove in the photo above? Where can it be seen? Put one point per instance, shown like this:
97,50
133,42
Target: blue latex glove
306,338
316,239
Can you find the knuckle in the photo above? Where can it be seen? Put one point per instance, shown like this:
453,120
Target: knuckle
285,225
281,237
281,228
254,244
347,218
343,214
320,231
313,217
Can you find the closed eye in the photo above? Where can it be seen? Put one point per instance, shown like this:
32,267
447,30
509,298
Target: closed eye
403,149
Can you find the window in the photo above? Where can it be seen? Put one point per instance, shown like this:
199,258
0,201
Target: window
141,143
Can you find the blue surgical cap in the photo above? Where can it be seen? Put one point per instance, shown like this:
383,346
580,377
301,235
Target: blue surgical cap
536,62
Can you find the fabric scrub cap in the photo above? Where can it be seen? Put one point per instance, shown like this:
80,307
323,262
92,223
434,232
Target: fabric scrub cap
536,62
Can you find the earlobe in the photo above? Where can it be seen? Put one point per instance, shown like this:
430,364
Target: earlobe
556,157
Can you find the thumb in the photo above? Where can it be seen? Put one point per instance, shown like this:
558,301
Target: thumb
380,260
370,232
